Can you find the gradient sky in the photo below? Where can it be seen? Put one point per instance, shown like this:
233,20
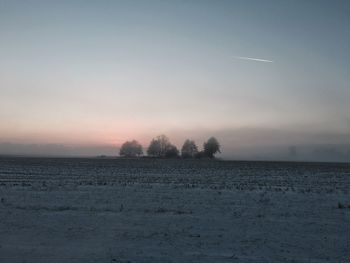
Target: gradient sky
255,74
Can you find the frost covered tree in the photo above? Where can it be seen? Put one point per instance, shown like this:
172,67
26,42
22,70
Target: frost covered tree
131,149
211,147
189,149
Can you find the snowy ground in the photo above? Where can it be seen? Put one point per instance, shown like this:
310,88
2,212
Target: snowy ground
104,210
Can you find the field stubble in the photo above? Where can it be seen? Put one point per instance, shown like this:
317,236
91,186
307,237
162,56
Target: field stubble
115,210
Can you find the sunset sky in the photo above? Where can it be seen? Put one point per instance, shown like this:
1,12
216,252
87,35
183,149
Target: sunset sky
264,77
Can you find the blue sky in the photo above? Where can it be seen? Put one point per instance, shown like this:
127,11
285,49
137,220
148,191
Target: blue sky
101,72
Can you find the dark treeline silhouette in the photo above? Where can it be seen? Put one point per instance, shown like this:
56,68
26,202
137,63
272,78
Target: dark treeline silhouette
131,149
161,147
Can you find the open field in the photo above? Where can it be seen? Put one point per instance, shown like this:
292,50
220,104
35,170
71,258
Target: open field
115,210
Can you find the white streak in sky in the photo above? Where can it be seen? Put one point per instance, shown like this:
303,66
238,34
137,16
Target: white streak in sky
254,59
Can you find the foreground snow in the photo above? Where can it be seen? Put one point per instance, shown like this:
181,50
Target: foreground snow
171,211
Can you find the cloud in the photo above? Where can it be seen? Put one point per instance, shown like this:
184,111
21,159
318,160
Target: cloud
254,59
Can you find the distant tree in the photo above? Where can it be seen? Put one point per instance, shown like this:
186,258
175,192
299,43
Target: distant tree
159,146
131,149
189,149
154,148
211,147
171,151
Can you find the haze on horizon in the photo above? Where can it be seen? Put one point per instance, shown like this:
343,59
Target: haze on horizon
269,79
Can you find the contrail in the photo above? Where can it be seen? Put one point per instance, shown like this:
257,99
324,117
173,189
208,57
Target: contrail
254,59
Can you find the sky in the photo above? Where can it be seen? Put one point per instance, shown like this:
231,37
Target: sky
269,79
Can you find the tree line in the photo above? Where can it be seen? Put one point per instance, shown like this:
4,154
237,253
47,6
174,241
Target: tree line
161,147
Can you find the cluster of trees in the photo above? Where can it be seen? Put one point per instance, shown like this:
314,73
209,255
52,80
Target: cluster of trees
161,147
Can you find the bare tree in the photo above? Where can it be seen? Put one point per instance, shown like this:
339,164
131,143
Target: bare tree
211,147
158,146
189,149
161,147
131,149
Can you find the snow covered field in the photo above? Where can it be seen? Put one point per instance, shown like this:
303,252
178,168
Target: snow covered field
108,210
